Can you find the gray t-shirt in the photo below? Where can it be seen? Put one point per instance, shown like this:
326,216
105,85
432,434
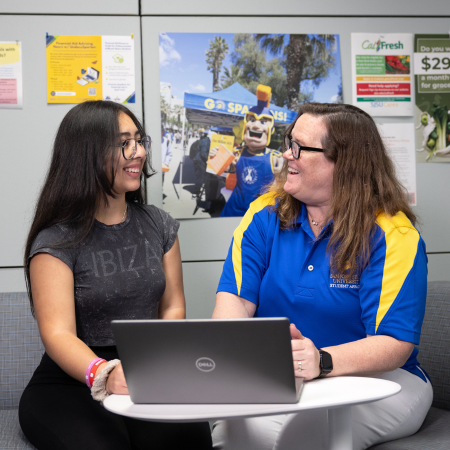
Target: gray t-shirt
117,270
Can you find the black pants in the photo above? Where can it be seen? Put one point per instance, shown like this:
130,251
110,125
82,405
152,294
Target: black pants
200,172
57,412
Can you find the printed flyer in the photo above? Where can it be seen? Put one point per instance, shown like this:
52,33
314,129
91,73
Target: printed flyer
399,141
11,96
381,73
432,72
81,68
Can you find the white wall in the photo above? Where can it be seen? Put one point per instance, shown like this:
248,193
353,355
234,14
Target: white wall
78,7
270,8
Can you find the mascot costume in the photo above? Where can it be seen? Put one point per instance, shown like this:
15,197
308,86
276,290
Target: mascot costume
256,164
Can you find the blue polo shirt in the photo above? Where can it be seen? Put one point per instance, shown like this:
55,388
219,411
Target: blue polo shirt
286,273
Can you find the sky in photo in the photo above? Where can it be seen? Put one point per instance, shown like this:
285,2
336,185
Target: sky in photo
182,64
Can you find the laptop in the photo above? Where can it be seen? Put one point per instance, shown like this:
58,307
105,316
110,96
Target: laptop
234,361
91,75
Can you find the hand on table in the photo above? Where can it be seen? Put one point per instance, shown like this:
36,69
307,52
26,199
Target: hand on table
305,351
116,383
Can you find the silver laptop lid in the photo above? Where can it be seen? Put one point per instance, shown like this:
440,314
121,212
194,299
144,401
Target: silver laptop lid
207,361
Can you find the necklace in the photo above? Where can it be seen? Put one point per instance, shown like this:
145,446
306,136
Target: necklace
316,224
124,213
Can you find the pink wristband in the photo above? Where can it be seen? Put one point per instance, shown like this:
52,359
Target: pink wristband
88,371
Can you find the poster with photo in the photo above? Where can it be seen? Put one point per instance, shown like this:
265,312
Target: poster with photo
11,96
225,101
381,73
81,68
432,117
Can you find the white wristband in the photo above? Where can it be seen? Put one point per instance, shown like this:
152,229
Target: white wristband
98,390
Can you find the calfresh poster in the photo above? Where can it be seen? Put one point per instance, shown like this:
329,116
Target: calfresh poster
11,96
432,71
381,73
81,68
225,101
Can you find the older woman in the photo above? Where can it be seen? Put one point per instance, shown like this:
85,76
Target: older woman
333,247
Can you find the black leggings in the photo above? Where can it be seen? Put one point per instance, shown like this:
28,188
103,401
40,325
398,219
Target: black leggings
57,412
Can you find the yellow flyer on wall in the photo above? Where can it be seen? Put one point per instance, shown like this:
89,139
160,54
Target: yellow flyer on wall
81,68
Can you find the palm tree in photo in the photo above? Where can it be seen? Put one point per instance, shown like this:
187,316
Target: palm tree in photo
178,111
214,58
308,57
231,75
165,110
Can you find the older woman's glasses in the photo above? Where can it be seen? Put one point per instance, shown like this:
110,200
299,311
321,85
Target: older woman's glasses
130,146
296,148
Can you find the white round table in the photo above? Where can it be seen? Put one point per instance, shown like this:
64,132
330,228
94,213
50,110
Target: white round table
335,394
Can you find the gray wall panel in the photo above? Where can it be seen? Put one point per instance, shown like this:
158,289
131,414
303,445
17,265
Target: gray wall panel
12,280
200,284
206,241
27,134
212,236
65,7
439,267
298,7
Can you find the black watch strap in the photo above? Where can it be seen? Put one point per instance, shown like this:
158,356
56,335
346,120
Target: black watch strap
326,363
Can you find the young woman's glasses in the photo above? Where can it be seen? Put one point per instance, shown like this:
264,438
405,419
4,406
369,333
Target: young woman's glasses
296,148
130,146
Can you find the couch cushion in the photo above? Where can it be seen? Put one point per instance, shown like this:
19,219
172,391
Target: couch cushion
11,436
434,434
21,347
434,354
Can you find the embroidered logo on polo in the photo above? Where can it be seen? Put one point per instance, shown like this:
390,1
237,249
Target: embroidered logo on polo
249,175
340,281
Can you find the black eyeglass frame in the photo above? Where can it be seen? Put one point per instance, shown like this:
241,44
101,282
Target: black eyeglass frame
288,144
136,141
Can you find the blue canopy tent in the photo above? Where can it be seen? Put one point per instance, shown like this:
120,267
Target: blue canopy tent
222,109
226,108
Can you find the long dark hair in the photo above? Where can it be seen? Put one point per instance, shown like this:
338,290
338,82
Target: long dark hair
364,183
81,174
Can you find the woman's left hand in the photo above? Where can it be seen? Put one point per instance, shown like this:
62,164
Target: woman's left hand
116,383
305,351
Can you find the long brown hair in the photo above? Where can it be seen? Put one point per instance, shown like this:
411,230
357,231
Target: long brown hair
364,183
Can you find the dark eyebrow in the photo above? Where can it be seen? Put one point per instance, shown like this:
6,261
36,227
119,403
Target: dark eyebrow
126,134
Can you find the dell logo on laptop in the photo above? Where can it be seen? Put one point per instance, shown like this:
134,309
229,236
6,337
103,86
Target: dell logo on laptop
205,364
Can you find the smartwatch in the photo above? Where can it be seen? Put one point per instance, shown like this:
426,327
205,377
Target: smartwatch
326,363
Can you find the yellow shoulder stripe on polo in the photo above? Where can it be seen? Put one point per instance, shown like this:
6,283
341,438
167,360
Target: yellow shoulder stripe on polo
256,206
401,248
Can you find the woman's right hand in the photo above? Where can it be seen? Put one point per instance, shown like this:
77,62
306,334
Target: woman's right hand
116,383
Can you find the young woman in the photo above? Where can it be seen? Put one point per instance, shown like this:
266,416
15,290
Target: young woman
96,253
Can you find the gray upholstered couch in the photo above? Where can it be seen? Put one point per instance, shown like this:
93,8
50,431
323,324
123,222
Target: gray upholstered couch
21,350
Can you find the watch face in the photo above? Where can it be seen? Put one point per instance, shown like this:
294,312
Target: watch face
327,362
